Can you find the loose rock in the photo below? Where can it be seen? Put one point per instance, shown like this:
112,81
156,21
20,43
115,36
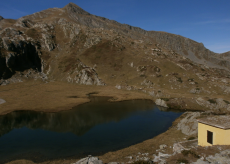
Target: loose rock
2,101
89,160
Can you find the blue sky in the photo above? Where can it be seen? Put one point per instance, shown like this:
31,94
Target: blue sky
206,21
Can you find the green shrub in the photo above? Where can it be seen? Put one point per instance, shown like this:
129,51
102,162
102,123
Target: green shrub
143,76
179,79
227,102
182,160
141,162
191,138
212,101
187,152
191,79
165,99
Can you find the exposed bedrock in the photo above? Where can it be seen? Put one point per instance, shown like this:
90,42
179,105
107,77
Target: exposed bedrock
20,55
17,54
189,48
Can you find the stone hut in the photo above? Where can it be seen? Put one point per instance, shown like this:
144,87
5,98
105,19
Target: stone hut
214,130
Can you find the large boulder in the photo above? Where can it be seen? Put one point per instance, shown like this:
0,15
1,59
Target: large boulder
161,102
188,125
2,101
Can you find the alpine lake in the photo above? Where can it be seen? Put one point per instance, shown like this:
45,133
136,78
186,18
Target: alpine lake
89,129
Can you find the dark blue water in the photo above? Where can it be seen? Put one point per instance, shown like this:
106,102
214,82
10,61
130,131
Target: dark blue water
93,128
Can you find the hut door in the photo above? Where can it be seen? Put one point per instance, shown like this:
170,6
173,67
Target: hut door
210,137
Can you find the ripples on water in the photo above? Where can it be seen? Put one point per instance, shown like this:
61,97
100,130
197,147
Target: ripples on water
92,128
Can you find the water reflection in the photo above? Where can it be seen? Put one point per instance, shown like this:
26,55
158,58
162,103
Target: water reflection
79,120
98,126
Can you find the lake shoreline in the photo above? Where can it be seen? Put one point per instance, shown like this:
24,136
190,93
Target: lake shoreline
17,118
148,146
49,97
58,96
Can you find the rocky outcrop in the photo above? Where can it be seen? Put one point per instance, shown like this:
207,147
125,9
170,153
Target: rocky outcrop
70,29
190,49
201,161
195,90
24,23
177,148
188,125
1,18
49,43
92,41
18,53
83,74
161,102
22,54
214,104
220,158
89,160
161,158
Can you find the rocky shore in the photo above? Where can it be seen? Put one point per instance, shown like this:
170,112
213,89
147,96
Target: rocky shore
185,150
177,145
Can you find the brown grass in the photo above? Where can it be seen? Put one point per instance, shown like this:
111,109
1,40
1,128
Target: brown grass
56,96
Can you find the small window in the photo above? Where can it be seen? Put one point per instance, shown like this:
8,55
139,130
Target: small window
210,137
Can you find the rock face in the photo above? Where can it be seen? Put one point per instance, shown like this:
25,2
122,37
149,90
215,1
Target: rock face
84,75
1,18
188,125
20,55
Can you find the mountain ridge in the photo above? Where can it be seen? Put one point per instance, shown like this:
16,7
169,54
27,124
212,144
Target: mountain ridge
58,57
175,42
71,45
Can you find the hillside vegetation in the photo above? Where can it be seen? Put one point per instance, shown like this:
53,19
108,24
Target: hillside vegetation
73,46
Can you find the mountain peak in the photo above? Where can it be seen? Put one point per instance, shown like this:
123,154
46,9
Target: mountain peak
73,8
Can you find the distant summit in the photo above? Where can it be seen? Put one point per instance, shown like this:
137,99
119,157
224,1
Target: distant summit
75,9
1,18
